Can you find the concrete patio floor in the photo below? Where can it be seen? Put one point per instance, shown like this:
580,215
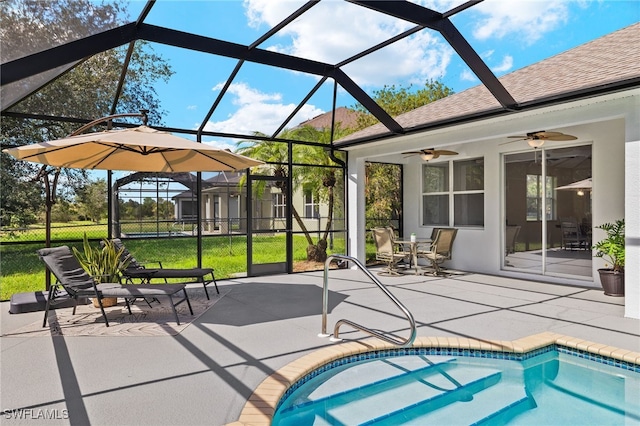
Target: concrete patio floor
205,374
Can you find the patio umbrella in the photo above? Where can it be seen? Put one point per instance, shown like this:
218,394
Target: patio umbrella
140,149
584,184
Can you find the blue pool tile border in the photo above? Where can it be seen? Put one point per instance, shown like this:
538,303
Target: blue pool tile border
472,353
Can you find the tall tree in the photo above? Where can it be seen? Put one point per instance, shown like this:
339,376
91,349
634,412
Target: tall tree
398,100
383,198
382,191
86,91
321,181
92,199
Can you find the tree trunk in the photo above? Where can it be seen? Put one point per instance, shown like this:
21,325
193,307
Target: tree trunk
317,252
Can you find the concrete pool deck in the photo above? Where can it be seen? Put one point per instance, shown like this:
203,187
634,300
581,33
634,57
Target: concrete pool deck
206,373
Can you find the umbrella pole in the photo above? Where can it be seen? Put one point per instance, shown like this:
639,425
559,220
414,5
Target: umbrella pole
50,200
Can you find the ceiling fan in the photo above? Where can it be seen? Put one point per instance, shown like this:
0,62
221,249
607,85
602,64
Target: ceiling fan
430,153
537,139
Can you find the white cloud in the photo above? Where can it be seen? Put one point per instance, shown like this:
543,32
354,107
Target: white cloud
468,75
528,18
333,31
506,65
258,112
220,144
487,54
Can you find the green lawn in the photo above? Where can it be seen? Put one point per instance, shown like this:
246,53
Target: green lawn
22,271
59,232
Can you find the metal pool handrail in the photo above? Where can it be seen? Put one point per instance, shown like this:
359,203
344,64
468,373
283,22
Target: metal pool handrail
325,303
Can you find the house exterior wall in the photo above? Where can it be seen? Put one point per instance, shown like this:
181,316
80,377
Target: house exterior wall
609,123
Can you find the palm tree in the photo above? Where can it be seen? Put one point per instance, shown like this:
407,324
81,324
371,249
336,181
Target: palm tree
321,181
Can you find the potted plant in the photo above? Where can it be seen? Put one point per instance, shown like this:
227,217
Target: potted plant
102,263
611,249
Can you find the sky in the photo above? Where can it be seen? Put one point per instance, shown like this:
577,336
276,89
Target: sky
507,34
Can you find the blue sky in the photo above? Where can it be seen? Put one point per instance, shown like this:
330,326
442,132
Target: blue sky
507,34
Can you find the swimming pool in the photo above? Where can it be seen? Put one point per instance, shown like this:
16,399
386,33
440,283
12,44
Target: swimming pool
550,385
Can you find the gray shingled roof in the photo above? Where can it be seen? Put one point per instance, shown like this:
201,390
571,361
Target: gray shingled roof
346,117
609,59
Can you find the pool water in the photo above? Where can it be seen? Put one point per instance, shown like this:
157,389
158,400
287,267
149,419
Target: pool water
550,388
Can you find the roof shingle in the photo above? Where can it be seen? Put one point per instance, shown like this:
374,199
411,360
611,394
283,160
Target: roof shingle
612,58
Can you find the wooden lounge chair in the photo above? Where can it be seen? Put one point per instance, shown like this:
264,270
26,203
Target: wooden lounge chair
138,271
77,283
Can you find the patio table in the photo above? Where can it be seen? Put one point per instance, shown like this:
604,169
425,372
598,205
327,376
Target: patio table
413,249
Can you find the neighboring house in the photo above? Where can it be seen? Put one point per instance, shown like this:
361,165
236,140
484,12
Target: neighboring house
497,182
224,206
223,200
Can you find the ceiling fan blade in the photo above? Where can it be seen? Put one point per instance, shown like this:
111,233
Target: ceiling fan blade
445,152
412,153
435,154
523,137
562,137
545,135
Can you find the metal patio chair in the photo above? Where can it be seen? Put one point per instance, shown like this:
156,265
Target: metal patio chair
441,249
387,251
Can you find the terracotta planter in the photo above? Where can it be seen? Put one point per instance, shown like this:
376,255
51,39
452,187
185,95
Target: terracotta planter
106,302
612,282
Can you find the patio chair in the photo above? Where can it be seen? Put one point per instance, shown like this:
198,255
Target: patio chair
77,283
511,234
138,271
572,236
441,249
387,251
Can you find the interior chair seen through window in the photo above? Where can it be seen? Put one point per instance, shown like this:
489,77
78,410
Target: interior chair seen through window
572,237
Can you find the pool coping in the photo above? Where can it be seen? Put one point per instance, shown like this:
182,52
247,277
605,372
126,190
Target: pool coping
261,405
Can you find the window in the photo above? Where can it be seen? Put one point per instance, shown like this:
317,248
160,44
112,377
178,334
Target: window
189,209
311,206
457,187
279,206
216,207
534,197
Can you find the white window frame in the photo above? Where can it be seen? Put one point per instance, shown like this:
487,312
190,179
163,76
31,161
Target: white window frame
551,201
310,202
450,193
279,206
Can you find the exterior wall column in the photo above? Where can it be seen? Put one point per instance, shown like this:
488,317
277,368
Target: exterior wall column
356,214
632,224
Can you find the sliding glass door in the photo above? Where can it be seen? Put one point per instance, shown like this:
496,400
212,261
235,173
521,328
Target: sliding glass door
547,206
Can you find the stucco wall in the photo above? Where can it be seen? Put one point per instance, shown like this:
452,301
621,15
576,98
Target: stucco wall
607,123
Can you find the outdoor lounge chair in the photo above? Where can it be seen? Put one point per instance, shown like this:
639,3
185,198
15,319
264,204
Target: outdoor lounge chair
441,248
387,251
137,271
77,283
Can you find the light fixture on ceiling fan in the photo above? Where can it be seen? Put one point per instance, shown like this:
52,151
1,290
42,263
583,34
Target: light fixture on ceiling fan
430,153
537,139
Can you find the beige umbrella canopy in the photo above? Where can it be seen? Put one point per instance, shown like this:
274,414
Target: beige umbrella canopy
584,184
140,149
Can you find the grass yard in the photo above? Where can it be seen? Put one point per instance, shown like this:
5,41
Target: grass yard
73,230
22,271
